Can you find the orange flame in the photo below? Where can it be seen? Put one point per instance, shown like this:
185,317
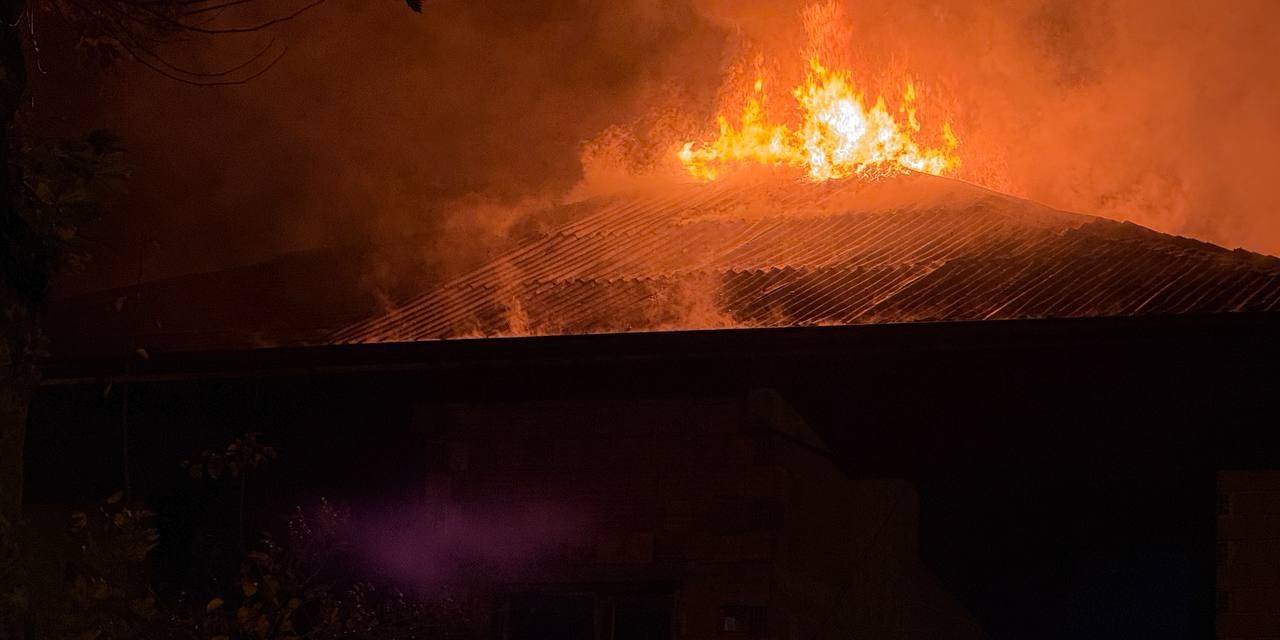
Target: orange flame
838,135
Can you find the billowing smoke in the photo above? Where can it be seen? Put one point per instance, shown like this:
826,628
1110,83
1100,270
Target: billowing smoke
1151,111
436,132
379,126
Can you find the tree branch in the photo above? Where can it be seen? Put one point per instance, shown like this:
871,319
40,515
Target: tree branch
223,73
206,83
215,7
179,25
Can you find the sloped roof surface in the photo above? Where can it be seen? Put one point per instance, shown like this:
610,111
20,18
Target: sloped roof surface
266,304
786,253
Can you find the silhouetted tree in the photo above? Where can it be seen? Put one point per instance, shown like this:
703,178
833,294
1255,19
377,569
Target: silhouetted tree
293,587
297,584
47,190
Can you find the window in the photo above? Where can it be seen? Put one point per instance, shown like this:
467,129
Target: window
641,618
746,621
565,616
583,615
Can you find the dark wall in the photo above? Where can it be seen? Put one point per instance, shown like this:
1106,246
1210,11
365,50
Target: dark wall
1066,469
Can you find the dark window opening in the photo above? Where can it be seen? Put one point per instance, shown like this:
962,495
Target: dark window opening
587,616
641,618
569,616
746,621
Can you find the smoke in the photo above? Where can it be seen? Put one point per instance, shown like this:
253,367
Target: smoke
380,127
1152,111
431,546
434,134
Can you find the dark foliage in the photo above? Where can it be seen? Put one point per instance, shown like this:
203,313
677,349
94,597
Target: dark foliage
66,185
292,586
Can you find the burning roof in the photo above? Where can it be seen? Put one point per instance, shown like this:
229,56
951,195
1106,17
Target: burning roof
752,252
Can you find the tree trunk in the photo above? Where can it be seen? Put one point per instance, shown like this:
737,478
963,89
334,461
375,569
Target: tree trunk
15,393
23,281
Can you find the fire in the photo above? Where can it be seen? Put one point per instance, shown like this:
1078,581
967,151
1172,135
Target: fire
838,135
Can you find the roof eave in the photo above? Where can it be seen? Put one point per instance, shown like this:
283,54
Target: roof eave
724,344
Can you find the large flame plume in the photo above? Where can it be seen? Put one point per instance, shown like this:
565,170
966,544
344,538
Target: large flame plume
838,135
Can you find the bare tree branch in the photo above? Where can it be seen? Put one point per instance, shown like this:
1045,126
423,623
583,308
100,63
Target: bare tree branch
222,73
215,7
178,24
139,28
207,83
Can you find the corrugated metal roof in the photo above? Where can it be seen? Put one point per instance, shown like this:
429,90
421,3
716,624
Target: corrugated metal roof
772,254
